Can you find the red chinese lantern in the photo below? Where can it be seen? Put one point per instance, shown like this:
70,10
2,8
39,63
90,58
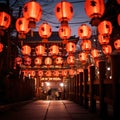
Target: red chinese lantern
95,53
71,60
55,73
117,45
105,27
94,8
27,61
1,47
118,1
48,73
32,73
64,11
59,61
5,20
84,31
71,72
25,73
40,50
48,61
107,49
40,73
64,73
86,45
83,57
54,50
32,11
38,61
70,47
64,32
118,18
18,61
103,39
22,27
26,50
45,31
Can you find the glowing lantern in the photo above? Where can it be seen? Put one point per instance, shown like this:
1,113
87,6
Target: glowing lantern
26,50
71,72
105,27
55,73
71,60
22,27
32,11
38,61
94,9
117,45
83,57
103,39
48,73
86,45
5,20
70,47
40,73
118,18
18,61
45,31
64,73
64,11
54,50
27,61
48,61
84,31
32,73
64,32
118,1
107,49
95,53
59,61
1,47
40,50
25,73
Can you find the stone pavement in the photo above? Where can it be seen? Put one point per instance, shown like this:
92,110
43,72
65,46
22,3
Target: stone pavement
49,110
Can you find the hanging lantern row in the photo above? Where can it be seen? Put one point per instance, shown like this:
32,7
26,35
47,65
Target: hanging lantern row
53,73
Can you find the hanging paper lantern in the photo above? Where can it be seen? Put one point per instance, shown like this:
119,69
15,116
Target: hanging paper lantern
25,73
40,73
32,73
95,53
1,47
71,60
107,49
40,50
27,61
48,61
54,50
18,61
22,27
84,31
118,1
64,73
117,45
45,31
48,73
32,11
55,73
70,47
59,61
26,50
94,8
5,20
71,72
64,32
64,11
38,61
103,39
83,57
105,27
86,45
118,18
